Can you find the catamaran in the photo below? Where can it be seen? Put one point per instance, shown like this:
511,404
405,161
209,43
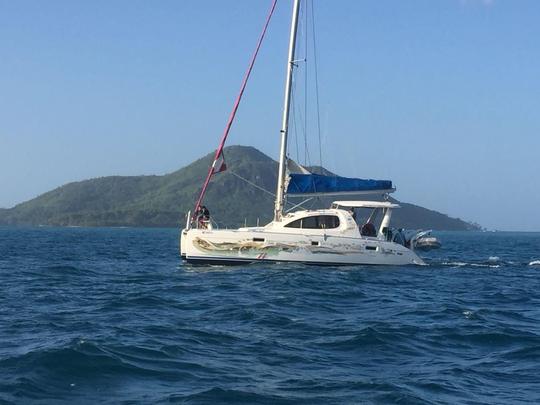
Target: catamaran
329,236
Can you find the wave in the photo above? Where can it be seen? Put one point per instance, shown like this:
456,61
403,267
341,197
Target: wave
490,262
487,339
229,396
59,271
381,338
472,264
55,371
493,262
304,391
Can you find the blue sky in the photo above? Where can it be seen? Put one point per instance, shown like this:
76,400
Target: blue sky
440,96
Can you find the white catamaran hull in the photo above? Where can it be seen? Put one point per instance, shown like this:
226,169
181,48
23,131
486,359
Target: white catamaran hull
260,245
324,236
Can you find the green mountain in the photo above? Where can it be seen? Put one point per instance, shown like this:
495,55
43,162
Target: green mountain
164,200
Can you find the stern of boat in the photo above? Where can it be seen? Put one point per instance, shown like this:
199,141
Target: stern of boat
183,236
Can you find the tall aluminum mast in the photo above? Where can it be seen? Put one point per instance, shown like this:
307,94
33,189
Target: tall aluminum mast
280,194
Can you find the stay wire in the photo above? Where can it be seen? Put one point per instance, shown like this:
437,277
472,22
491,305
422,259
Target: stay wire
315,69
251,183
295,131
258,187
306,87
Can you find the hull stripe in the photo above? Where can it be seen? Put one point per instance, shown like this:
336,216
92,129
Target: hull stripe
238,261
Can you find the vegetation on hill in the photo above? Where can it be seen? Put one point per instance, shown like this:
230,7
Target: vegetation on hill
164,200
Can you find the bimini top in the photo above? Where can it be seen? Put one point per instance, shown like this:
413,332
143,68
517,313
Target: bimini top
365,204
314,184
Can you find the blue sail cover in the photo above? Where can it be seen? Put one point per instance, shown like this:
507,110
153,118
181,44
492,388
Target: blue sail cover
319,184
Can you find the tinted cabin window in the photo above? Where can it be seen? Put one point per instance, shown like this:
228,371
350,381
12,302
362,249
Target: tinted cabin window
295,224
310,223
328,221
316,222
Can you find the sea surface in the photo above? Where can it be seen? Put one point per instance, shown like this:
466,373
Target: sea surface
111,315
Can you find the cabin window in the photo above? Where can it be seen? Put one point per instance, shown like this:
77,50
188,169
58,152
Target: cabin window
315,222
295,224
310,223
328,221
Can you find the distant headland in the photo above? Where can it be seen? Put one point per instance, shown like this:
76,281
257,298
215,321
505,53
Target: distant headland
163,201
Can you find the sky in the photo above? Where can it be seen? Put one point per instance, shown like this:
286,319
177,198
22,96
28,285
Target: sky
440,96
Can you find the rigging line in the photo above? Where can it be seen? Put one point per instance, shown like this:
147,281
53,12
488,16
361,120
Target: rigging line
251,183
298,122
295,131
219,150
316,82
265,190
299,205
306,88
313,202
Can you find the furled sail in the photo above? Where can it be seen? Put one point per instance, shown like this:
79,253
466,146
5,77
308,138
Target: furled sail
293,167
314,184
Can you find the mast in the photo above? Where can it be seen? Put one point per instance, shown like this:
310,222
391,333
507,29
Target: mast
280,194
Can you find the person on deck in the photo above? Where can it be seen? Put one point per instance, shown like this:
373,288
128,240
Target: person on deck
203,216
368,229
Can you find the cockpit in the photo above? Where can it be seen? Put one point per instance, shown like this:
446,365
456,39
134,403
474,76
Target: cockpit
372,217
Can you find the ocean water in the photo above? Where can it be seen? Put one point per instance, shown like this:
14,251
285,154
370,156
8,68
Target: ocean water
113,316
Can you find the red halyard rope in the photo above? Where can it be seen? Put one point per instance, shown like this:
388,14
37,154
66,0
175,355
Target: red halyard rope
219,150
